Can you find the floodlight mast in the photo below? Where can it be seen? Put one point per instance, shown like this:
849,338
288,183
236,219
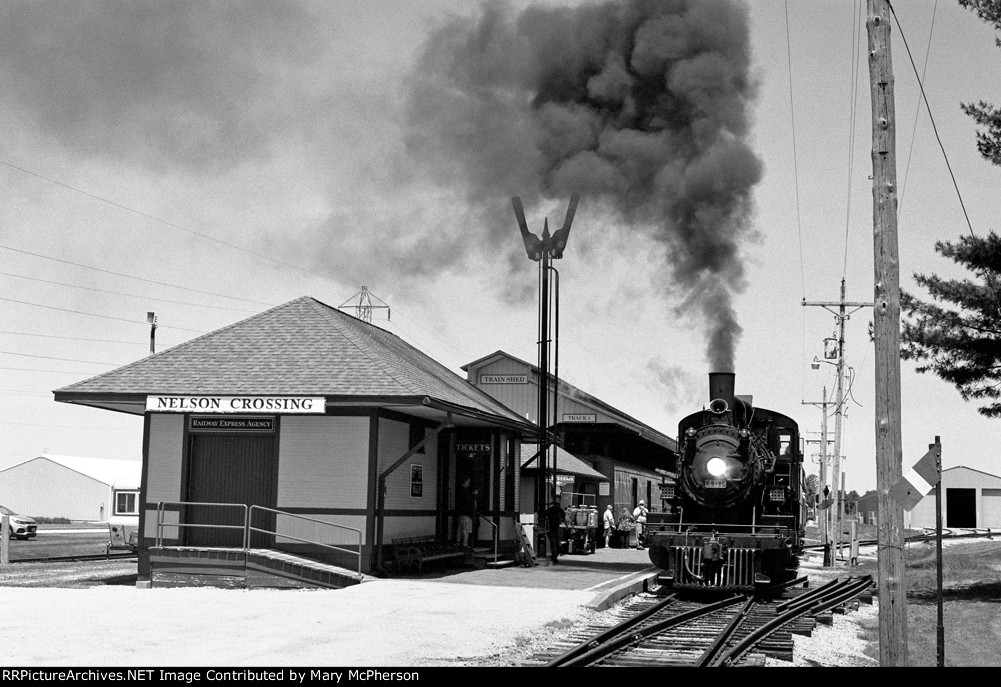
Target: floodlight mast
549,247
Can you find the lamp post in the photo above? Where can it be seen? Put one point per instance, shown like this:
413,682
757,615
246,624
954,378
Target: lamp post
543,250
151,320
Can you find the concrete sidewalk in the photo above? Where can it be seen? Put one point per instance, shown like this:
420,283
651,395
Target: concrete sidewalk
607,575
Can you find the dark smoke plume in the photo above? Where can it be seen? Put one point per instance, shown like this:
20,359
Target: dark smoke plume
641,106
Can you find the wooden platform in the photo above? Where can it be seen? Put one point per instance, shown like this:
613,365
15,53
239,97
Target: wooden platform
186,566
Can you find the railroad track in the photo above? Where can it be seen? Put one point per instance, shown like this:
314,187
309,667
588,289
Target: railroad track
927,535
79,557
739,630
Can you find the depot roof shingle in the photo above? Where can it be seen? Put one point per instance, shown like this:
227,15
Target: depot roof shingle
303,347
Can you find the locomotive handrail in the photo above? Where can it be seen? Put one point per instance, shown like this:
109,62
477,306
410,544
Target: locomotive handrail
711,526
251,528
160,524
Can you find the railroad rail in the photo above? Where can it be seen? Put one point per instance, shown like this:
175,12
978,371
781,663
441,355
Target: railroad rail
928,534
80,557
738,630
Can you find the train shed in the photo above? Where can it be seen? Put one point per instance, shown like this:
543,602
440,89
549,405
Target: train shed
310,432
634,459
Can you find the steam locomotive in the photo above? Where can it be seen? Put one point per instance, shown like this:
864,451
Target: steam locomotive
736,509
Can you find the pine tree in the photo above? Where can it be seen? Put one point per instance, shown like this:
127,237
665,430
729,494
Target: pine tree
984,113
960,344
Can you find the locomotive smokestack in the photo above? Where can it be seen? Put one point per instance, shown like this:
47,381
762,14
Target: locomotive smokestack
721,385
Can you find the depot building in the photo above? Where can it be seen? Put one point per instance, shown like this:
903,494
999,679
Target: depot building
310,431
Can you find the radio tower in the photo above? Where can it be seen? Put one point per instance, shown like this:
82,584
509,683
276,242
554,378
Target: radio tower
363,305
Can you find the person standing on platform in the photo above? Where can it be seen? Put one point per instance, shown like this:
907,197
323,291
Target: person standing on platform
639,518
465,505
609,522
555,518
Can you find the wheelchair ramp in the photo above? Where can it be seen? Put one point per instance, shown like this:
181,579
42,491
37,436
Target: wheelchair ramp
187,566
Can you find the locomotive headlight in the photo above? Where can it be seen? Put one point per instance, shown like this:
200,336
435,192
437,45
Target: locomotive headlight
716,467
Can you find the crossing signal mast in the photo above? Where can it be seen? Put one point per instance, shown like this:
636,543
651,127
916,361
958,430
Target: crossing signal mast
363,306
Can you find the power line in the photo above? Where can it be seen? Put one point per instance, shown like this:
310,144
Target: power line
127,295
795,167
94,314
60,372
130,276
856,47
166,222
49,357
945,156
917,110
71,338
792,117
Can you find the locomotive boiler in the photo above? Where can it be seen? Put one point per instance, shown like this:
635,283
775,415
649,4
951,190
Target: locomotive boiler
736,515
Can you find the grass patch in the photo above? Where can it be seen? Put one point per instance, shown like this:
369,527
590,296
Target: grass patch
971,581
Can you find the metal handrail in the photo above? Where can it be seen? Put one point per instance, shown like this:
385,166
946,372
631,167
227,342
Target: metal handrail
496,533
160,524
251,528
247,528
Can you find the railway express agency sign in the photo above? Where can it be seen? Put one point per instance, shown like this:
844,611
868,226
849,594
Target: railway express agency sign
286,405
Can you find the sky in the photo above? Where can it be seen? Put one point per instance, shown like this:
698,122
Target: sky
207,161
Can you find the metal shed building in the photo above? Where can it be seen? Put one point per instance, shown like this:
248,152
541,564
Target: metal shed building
71,487
972,499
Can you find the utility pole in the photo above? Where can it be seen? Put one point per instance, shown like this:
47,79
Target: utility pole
840,315
886,333
823,514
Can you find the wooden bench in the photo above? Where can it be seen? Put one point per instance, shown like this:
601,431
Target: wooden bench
414,552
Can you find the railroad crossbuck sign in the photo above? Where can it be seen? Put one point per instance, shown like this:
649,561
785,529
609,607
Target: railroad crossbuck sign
919,481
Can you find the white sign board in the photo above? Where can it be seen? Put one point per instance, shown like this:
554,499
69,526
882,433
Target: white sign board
283,405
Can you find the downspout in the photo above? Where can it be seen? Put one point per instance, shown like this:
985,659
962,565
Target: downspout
381,496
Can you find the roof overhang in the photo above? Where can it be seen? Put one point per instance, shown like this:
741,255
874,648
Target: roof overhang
423,407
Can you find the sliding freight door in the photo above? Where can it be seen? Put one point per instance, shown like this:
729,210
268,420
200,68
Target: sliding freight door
230,469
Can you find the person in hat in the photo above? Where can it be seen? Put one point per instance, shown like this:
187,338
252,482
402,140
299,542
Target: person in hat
609,522
639,520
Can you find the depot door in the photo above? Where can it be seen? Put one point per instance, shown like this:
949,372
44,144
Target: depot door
232,470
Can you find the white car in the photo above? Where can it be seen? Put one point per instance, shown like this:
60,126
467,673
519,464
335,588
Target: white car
21,526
